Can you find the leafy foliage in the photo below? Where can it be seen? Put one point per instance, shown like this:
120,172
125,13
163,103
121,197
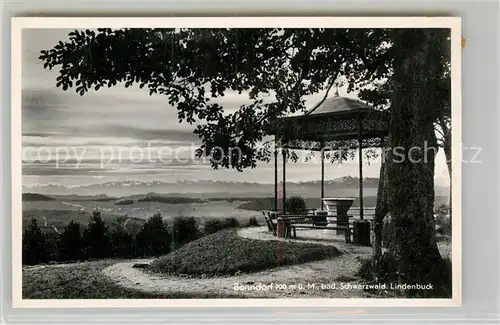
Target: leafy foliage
252,222
71,243
215,225
34,244
154,237
295,205
192,67
184,229
121,240
118,239
96,236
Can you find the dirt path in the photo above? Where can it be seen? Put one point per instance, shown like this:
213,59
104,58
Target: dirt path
327,278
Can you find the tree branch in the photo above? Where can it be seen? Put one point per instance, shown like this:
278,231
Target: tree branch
330,85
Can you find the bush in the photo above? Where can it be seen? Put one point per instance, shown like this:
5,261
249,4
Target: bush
34,244
184,230
154,238
295,205
122,242
442,220
52,240
215,225
252,222
96,237
71,243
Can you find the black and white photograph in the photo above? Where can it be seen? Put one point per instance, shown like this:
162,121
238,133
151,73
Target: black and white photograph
226,161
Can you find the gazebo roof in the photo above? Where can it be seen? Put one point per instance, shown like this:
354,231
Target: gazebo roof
338,122
338,104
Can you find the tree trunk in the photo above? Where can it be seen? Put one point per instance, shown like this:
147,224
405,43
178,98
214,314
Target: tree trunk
381,210
410,165
447,154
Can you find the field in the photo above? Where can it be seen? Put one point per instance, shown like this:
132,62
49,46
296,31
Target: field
57,211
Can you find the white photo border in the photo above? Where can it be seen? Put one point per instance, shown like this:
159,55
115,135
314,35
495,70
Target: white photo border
20,23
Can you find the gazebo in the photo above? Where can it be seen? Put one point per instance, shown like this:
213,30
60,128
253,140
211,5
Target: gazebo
336,123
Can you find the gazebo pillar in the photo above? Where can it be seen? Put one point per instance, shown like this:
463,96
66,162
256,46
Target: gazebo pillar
275,177
284,180
322,175
360,151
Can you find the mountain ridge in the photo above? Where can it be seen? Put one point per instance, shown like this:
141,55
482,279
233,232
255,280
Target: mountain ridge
185,187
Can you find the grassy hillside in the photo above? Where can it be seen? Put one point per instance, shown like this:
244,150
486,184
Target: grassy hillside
85,281
36,197
225,253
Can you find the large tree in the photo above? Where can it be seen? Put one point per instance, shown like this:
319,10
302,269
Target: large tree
277,68
192,67
417,75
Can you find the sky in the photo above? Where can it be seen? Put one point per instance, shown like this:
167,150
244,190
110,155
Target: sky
121,133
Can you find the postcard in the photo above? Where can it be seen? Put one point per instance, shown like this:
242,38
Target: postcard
239,161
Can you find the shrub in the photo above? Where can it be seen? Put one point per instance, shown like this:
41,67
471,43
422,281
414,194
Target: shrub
71,242
96,236
34,244
52,245
231,223
295,205
184,230
154,237
252,222
122,242
442,220
215,225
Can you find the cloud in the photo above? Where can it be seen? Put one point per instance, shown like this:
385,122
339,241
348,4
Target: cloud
53,113
93,167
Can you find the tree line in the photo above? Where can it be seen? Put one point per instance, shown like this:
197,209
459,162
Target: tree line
99,239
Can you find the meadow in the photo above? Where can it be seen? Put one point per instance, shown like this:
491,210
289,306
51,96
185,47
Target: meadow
59,210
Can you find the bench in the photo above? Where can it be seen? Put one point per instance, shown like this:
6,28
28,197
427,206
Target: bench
307,222
292,222
293,230
270,225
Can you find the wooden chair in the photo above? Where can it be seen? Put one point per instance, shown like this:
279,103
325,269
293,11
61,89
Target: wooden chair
290,229
270,225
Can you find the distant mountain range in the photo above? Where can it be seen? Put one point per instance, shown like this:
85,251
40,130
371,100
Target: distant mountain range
343,186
